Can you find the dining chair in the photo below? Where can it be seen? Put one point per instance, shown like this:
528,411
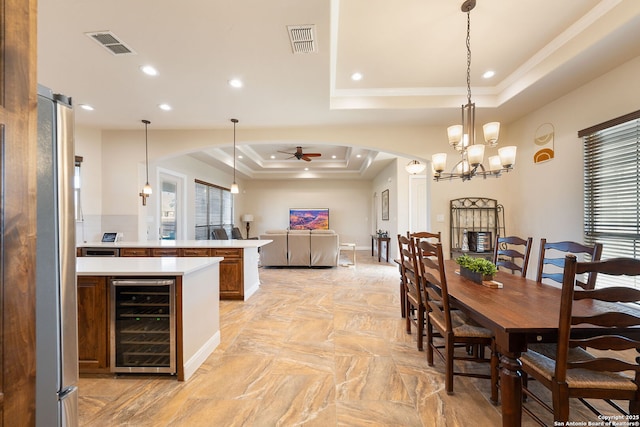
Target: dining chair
453,326
552,256
219,234
420,235
573,372
236,234
512,253
417,235
415,307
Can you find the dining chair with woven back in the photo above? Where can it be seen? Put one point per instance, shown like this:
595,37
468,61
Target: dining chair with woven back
572,371
415,307
512,253
552,257
452,326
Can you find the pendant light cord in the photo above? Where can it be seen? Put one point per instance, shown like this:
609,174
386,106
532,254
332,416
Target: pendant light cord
146,148
469,56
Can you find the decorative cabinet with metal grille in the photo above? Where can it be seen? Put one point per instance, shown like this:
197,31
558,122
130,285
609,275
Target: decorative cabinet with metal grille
475,222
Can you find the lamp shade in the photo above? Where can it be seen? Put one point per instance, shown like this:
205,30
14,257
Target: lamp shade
247,218
508,156
475,154
439,162
234,188
491,132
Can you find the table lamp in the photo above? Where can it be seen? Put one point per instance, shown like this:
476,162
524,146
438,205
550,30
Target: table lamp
248,218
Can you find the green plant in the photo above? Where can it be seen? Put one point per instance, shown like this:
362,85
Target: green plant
478,265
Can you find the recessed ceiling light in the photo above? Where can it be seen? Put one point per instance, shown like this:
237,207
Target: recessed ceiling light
356,77
237,83
240,156
165,107
149,70
86,107
273,156
334,156
489,74
306,169
358,155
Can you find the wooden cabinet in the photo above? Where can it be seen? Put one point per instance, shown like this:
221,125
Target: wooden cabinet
135,252
93,324
231,273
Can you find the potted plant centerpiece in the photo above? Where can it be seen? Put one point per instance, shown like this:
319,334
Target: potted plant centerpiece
476,269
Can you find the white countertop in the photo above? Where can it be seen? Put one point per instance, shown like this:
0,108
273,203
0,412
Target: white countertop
145,266
180,244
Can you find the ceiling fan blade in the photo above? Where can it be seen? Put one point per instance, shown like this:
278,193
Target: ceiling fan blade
312,154
305,158
286,152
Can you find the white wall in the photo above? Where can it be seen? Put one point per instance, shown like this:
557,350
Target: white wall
549,195
349,205
88,145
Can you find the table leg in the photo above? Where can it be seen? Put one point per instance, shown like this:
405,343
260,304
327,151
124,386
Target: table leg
511,390
379,249
372,239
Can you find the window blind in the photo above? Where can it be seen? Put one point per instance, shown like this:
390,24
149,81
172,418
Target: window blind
213,209
612,191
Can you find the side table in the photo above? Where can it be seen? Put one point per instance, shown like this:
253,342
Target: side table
380,240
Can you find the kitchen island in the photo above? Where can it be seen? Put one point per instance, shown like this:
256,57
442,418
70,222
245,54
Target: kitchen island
196,319
238,271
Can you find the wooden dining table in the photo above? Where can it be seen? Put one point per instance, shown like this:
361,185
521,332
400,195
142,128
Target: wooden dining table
521,312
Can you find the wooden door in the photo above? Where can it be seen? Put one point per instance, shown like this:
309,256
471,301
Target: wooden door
18,139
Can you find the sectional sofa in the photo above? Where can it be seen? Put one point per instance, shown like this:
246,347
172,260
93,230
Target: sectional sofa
300,248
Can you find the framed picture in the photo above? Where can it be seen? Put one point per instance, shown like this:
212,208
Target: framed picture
385,205
308,219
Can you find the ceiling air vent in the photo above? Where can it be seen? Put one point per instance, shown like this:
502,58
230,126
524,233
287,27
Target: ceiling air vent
302,38
110,41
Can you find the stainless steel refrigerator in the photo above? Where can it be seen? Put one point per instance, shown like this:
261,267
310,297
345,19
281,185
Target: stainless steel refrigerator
56,306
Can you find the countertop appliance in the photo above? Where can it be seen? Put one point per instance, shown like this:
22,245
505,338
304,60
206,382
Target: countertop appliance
56,303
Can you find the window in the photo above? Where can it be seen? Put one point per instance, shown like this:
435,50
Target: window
612,190
76,189
214,209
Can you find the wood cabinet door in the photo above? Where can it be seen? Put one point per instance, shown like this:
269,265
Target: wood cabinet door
231,279
93,324
134,252
18,140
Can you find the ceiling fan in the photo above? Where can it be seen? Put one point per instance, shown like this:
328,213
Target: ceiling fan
300,155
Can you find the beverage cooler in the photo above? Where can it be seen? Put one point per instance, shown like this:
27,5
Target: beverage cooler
143,325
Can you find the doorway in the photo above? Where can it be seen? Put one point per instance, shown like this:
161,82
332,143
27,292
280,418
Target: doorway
171,206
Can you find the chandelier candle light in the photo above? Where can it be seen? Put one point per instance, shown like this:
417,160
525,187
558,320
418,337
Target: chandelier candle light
462,137
146,190
234,186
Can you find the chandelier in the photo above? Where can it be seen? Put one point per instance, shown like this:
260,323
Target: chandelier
463,139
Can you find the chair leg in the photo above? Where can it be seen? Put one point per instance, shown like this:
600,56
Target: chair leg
408,318
448,348
403,303
429,343
420,328
560,396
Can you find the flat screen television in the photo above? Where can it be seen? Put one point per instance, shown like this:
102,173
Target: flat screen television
308,219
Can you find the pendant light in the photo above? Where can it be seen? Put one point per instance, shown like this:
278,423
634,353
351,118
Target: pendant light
146,190
234,186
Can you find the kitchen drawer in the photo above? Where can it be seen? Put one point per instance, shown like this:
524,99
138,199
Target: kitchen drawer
164,252
134,252
227,253
196,252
